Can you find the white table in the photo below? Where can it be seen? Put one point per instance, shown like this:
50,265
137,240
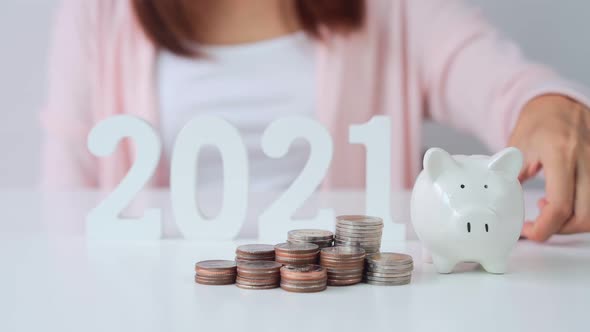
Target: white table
60,282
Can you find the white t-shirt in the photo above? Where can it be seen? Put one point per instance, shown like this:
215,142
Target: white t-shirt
249,85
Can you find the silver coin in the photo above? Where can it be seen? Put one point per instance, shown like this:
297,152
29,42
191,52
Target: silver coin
258,287
358,234
387,279
304,283
358,230
380,283
343,271
361,242
359,219
379,268
321,284
343,252
388,272
310,234
216,265
388,275
255,249
389,258
357,244
296,247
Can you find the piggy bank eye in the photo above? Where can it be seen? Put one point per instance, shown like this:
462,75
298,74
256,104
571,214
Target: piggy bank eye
485,186
462,186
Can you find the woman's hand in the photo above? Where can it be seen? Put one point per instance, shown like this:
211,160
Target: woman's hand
553,132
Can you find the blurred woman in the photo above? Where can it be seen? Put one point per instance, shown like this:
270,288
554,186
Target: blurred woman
338,61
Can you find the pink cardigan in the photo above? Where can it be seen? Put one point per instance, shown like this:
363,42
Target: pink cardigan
413,59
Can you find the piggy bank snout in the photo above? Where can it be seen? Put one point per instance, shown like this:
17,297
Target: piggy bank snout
475,220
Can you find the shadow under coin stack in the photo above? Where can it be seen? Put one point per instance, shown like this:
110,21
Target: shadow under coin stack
255,252
359,231
322,238
388,269
215,272
304,279
258,275
296,253
344,265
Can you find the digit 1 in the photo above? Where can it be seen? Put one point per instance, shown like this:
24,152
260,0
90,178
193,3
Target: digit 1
375,135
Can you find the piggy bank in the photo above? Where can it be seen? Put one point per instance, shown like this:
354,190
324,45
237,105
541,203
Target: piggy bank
469,208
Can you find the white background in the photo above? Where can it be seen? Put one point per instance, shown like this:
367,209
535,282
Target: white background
555,32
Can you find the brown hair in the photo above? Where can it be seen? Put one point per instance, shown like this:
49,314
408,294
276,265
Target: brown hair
167,26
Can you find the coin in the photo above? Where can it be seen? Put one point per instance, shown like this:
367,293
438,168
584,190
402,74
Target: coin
258,282
259,266
295,248
255,252
380,283
255,249
257,287
388,275
350,252
389,258
344,282
358,219
296,289
388,269
216,265
214,281
305,272
310,234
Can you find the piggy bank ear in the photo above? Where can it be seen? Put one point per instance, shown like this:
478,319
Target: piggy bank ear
508,161
437,161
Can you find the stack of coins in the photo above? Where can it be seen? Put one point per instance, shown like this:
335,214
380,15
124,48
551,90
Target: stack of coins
344,265
296,253
258,275
255,252
215,272
316,236
388,269
359,231
303,279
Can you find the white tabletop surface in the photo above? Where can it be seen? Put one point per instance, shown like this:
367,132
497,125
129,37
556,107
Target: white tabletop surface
58,281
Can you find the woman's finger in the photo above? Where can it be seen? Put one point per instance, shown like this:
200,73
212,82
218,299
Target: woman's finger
559,168
580,222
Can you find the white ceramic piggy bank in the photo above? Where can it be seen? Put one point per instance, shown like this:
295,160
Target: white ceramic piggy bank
469,208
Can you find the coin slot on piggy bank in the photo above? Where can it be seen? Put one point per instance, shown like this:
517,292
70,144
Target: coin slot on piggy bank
469,208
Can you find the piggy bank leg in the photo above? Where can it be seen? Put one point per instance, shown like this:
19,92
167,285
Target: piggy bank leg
496,265
426,255
443,264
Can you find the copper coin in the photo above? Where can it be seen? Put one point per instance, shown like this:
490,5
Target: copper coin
214,274
262,266
298,256
283,260
213,279
204,281
257,282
